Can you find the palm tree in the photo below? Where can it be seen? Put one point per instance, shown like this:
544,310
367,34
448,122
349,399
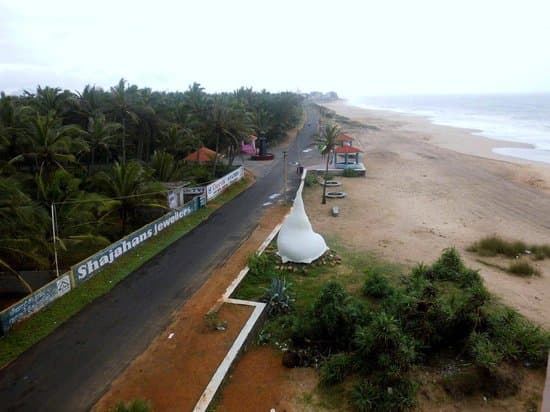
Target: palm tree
89,103
49,99
123,109
51,145
79,216
99,134
165,167
23,223
327,141
130,185
226,123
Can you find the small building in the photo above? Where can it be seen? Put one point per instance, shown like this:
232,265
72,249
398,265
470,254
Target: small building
203,155
345,155
344,140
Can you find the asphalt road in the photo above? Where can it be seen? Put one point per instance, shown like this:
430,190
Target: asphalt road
73,367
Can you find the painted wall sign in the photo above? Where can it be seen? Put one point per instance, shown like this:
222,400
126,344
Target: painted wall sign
35,301
215,189
95,263
199,190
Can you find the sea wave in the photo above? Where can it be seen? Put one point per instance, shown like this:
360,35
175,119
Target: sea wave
519,119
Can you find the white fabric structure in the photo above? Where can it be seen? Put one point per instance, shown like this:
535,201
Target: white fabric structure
297,242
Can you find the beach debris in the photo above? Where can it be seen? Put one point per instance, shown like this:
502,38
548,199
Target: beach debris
335,211
171,336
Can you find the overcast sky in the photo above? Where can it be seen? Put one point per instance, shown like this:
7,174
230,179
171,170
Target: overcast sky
353,47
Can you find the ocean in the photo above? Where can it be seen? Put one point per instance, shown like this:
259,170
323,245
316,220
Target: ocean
523,118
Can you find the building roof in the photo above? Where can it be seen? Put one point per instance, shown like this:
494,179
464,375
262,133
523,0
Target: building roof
204,154
344,138
347,149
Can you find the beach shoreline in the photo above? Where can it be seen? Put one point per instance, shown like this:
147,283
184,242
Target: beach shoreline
476,143
429,187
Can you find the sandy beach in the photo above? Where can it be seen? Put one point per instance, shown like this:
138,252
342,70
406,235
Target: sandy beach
429,187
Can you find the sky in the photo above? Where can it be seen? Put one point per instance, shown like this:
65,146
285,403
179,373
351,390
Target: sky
356,48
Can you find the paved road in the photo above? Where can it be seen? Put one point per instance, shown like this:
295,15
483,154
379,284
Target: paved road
72,368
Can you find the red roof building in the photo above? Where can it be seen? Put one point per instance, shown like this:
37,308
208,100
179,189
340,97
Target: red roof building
347,149
344,138
346,157
204,154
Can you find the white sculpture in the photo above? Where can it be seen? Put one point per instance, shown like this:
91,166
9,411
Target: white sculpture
297,242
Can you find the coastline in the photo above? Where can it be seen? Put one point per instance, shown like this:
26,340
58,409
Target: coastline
469,140
429,187
460,140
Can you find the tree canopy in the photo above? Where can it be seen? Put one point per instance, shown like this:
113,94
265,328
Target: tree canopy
100,157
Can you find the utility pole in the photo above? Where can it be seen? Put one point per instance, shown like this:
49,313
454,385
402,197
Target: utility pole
285,173
54,234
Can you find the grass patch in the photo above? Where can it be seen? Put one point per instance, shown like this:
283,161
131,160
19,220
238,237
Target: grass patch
27,333
522,268
495,245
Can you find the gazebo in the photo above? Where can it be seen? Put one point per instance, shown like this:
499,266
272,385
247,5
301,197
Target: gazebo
344,140
346,157
203,155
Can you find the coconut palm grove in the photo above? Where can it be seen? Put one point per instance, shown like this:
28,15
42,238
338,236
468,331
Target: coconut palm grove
103,157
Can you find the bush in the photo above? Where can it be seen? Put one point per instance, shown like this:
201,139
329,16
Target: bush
335,369
278,297
383,396
541,251
310,180
350,173
262,266
515,336
376,285
382,345
494,245
332,320
522,268
448,266
484,351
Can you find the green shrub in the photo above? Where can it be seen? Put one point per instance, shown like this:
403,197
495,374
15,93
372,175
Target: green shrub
278,297
383,396
138,405
522,268
310,180
448,266
262,266
494,245
469,278
332,320
382,345
541,251
348,172
484,351
376,285
335,369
